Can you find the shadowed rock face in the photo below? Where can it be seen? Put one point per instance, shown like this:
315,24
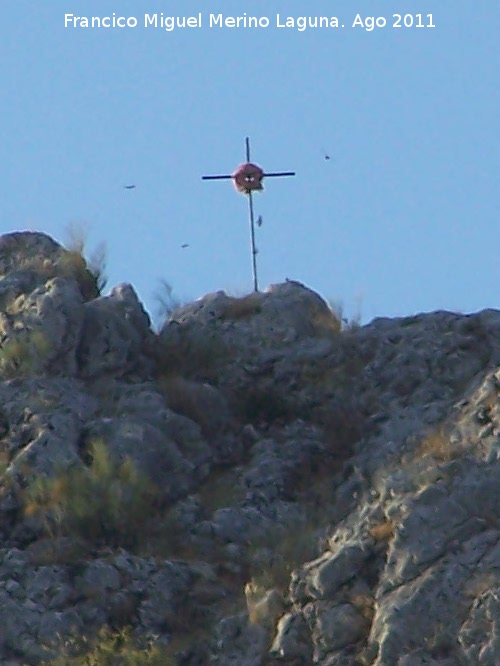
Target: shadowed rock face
252,486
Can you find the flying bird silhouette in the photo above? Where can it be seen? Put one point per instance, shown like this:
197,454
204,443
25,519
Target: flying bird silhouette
185,245
129,187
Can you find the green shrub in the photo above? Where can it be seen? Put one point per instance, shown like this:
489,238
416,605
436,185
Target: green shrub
105,503
19,356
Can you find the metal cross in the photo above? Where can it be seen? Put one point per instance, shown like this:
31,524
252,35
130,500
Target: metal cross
247,178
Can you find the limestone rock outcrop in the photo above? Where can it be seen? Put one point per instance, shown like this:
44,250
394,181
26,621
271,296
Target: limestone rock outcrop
255,485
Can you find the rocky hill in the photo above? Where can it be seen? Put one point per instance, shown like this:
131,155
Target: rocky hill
256,485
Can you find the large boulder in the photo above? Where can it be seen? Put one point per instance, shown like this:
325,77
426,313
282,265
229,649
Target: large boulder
248,346
53,320
28,259
115,337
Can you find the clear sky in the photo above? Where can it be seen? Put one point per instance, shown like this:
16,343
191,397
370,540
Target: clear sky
402,218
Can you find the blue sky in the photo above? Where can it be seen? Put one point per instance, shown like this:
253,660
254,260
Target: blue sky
402,219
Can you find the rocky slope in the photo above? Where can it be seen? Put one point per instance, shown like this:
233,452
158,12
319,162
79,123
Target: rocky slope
251,486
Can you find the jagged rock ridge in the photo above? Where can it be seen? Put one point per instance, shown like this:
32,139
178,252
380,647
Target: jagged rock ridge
251,486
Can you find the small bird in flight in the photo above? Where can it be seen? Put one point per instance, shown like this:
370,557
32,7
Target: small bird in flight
129,187
259,221
185,245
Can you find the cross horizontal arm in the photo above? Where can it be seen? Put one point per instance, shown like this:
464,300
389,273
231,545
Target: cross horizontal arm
270,175
280,173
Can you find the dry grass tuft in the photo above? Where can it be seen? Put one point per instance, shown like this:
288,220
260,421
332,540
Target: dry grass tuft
325,321
382,531
71,264
110,649
90,271
437,445
239,308
364,604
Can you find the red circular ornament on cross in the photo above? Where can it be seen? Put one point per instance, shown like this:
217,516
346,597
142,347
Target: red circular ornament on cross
248,177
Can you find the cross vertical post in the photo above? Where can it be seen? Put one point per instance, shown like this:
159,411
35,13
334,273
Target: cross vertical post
252,225
247,178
